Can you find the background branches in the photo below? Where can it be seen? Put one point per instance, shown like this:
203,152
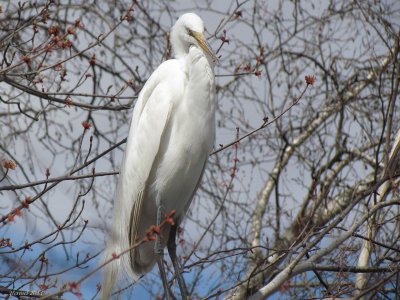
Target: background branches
300,196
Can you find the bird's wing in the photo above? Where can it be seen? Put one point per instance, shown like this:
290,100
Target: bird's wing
149,122
135,218
141,157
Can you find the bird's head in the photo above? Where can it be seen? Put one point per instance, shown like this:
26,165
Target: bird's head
189,31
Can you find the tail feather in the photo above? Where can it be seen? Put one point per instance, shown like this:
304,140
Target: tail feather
118,267
110,272
117,262
129,225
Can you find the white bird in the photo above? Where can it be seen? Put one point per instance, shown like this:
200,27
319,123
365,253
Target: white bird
170,138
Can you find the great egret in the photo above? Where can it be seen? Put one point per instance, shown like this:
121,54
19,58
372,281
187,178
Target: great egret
171,135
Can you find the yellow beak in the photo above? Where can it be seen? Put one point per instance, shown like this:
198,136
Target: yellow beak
203,44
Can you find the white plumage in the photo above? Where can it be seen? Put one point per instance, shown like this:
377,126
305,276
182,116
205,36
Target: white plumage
170,137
